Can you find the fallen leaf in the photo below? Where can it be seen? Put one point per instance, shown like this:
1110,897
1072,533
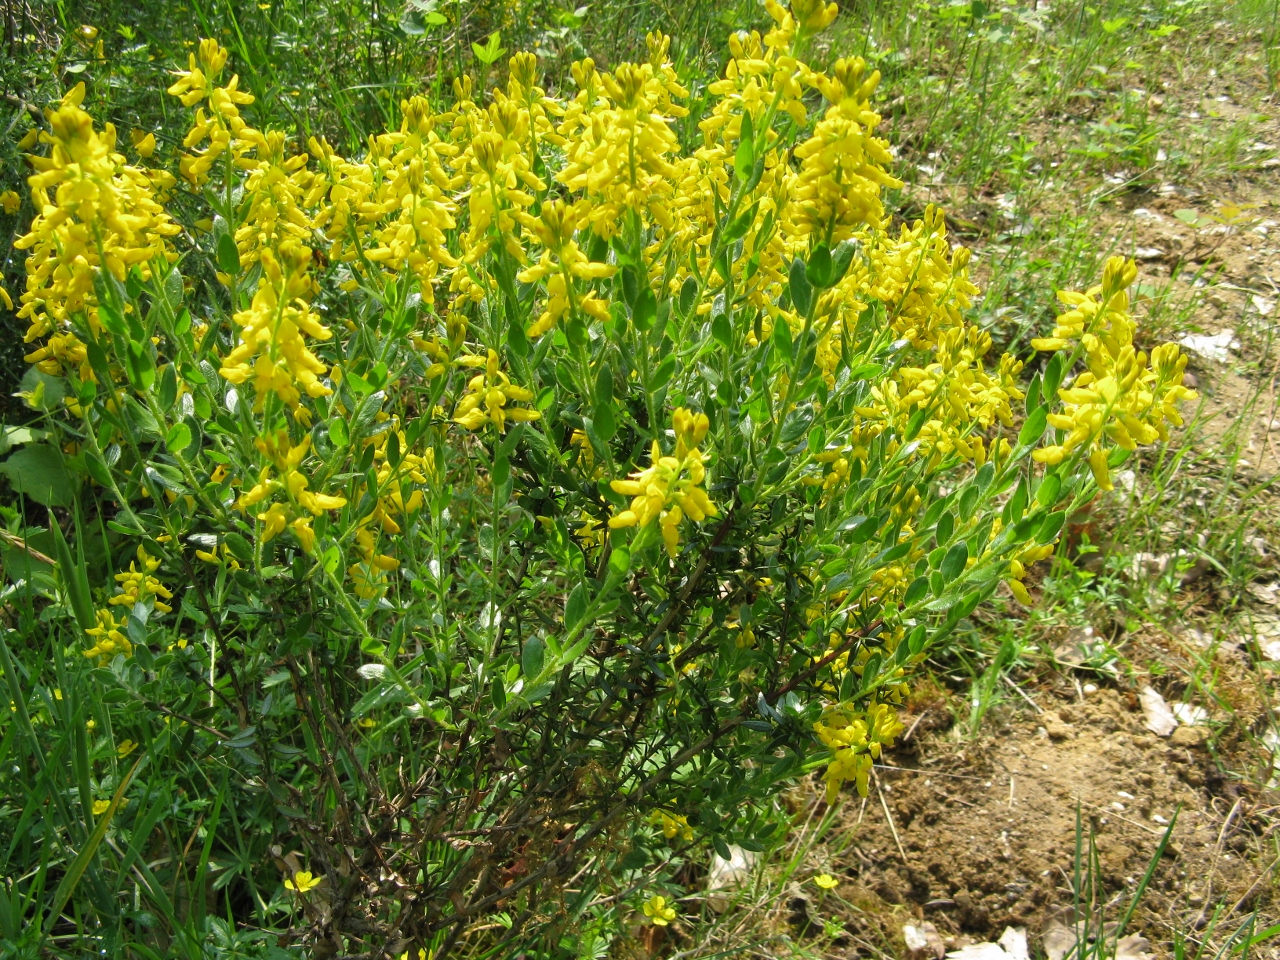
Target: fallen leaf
1217,347
1160,719
1012,946
1133,947
724,877
1190,714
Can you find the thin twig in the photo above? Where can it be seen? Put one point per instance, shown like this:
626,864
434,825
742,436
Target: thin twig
892,828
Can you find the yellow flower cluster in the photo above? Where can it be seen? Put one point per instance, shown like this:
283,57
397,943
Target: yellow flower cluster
222,123
669,489
369,573
487,396
300,505
95,212
562,261
673,825
855,738
1124,398
136,585
273,332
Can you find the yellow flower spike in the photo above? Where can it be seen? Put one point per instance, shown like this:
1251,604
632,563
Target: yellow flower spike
302,882
95,212
658,912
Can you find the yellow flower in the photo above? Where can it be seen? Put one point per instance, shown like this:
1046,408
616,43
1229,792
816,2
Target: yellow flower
302,882
273,330
10,202
487,396
656,909
826,881
673,825
670,488
126,747
144,143
100,807
855,737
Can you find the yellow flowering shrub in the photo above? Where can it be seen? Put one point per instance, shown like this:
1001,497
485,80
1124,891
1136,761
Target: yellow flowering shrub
588,465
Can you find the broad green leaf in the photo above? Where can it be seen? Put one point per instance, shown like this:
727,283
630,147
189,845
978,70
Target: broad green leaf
37,471
178,437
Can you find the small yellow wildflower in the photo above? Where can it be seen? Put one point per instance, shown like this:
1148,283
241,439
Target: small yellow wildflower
302,882
100,807
826,881
127,747
143,142
10,202
656,909
673,825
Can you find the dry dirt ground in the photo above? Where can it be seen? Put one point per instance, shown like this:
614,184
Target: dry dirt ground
976,836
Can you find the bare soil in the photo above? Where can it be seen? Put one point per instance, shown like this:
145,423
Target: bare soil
979,835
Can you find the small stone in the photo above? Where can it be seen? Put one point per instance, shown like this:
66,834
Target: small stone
1090,689
1058,731
1189,736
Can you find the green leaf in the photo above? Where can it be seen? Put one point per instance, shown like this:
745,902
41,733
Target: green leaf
919,587
228,255
688,295
98,470
71,879
339,435
1047,492
575,607
620,561
1051,527
168,387
240,548
1034,427
112,319
497,692
139,365
75,579
604,421
801,290
645,310
721,331
744,159
37,471
738,229
781,338
178,438
946,525
491,51
531,657
841,259
953,563
820,270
